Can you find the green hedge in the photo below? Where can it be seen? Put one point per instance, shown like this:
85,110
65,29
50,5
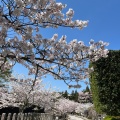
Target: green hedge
105,84
112,118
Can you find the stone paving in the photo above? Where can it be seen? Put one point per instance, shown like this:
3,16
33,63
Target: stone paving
73,117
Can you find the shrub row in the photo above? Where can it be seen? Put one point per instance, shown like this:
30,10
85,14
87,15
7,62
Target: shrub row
105,84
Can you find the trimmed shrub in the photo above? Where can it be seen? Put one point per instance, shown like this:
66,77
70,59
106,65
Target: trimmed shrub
105,84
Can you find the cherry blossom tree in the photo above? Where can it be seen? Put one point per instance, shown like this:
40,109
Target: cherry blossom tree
33,92
5,98
21,41
82,107
64,106
28,92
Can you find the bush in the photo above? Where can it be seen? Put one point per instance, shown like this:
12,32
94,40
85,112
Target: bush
105,84
112,118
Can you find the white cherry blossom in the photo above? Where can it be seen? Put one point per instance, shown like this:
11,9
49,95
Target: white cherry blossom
21,41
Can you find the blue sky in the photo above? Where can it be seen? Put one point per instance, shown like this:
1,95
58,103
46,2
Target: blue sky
104,24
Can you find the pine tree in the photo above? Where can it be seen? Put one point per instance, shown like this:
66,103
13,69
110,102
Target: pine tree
87,89
72,95
65,94
76,96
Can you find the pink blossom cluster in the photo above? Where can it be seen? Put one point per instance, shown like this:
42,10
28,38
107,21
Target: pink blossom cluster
66,106
33,92
82,107
21,41
23,93
6,99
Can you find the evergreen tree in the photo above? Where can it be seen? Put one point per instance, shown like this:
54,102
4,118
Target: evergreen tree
76,96
72,95
87,89
65,94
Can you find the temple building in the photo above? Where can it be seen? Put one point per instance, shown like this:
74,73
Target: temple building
85,97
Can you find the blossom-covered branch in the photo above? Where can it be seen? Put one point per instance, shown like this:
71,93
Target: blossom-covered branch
21,41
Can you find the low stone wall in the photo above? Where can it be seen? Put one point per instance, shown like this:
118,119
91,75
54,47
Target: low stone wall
26,116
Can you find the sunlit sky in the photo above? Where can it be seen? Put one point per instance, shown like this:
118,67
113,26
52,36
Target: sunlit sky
104,24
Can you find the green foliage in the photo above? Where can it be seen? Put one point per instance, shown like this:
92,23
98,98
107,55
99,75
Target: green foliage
108,118
112,118
105,84
86,89
76,96
95,92
73,96
65,94
3,76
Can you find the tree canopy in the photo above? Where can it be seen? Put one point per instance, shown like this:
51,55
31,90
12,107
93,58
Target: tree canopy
21,41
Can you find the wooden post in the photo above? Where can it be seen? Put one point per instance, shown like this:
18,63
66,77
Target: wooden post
18,116
9,116
14,116
25,116
40,117
43,116
22,116
48,117
36,116
29,117
3,116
